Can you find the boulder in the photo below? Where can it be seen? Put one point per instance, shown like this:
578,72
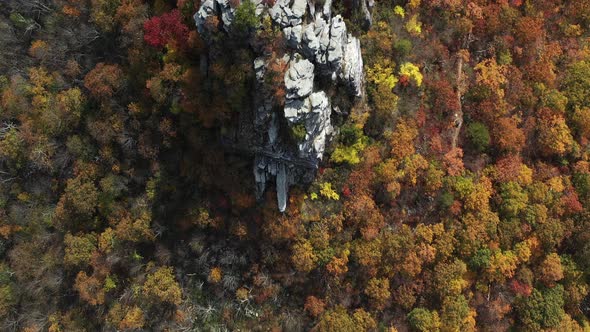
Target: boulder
260,6
298,8
325,44
314,113
294,108
299,78
286,13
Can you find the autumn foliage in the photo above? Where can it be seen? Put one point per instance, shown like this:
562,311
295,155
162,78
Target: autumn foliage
453,194
104,80
167,29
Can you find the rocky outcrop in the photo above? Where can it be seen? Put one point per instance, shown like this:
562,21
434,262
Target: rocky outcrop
320,50
211,8
299,78
352,66
288,12
364,7
310,109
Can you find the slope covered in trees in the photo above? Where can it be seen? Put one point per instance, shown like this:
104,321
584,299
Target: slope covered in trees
455,197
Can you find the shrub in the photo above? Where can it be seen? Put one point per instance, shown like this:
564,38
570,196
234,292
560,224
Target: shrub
403,47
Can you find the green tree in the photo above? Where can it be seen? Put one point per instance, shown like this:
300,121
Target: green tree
581,182
351,142
424,320
456,315
479,136
542,309
245,18
577,84
403,47
481,258
12,147
449,278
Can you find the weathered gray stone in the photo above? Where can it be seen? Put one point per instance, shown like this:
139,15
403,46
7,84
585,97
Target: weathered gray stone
263,100
317,125
208,8
298,8
273,129
310,42
337,43
327,10
366,7
285,13
221,8
282,186
259,4
322,31
293,35
295,107
299,78
227,13
311,7
352,66
260,68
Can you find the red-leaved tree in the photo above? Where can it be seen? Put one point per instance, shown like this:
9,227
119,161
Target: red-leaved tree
167,29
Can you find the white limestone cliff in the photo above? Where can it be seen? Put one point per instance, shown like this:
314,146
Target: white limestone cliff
319,46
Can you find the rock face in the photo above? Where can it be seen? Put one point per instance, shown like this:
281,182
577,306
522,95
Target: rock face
288,12
365,7
299,78
320,49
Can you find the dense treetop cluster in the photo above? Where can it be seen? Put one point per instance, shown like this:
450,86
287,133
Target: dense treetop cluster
455,195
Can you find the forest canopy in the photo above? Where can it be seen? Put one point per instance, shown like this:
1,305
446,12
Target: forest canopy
454,193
